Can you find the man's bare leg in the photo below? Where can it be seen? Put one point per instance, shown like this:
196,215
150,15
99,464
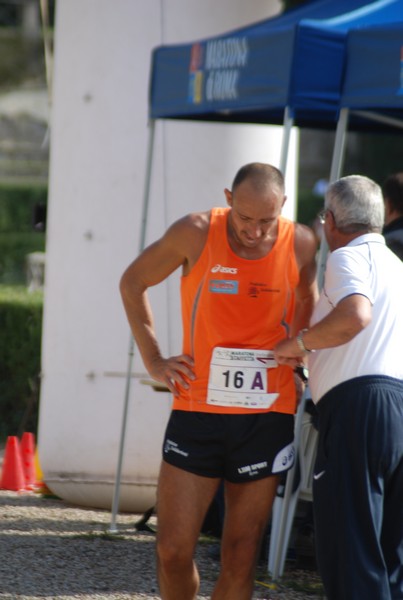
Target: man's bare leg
183,500
247,510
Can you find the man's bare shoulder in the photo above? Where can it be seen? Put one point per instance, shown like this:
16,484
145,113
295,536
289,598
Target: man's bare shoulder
188,236
193,221
191,227
305,243
304,234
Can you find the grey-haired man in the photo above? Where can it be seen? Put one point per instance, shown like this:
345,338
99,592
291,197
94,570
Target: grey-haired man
354,349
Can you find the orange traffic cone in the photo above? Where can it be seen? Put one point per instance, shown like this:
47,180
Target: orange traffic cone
28,459
12,477
40,485
38,468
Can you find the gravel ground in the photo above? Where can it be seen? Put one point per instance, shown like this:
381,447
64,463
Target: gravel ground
50,549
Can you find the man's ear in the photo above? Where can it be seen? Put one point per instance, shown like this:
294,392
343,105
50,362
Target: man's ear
228,196
331,221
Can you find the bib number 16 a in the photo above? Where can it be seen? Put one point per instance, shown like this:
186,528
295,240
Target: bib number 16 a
239,378
236,380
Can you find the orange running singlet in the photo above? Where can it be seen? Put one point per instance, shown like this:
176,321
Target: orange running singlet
235,306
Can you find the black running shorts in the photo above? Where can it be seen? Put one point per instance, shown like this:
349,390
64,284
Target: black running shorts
237,448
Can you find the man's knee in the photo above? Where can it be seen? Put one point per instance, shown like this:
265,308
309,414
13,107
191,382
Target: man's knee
240,550
172,554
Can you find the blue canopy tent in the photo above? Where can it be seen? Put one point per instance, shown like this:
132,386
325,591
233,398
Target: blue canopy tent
333,69
242,76
322,55
374,74
373,84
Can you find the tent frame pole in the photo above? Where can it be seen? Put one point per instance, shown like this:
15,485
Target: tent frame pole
335,173
288,123
386,120
146,202
339,145
282,542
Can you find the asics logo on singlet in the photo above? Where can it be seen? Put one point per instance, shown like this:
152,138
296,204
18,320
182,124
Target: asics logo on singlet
221,269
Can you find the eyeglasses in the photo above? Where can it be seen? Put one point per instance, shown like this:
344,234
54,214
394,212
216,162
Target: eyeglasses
322,215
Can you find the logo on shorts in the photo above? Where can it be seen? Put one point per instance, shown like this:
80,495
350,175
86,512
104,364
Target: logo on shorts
284,459
171,446
252,470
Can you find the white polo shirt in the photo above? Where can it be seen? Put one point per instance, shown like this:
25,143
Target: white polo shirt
365,266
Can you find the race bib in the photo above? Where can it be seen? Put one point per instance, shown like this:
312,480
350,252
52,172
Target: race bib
238,378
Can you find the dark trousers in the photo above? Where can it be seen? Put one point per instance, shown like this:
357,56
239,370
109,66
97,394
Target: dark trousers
358,490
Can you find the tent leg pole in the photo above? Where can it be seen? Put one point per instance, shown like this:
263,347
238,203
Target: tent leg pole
339,145
147,184
116,491
146,200
278,566
287,126
335,173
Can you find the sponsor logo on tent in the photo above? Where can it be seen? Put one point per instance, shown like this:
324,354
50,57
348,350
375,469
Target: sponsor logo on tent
215,68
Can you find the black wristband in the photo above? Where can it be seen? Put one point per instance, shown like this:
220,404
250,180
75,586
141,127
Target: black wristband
302,373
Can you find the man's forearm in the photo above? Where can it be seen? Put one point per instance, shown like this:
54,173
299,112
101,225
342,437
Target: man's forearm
141,321
341,325
303,313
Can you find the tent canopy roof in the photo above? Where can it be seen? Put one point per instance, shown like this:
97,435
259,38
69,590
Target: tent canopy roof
314,59
243,75
351,61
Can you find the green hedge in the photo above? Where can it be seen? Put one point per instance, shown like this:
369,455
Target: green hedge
17,204
17,234
20,349
14,248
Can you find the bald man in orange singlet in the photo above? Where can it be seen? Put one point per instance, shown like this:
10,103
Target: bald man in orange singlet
248,281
